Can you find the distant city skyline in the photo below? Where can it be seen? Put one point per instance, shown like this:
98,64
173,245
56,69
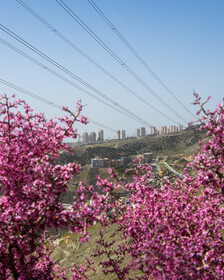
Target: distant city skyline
94,137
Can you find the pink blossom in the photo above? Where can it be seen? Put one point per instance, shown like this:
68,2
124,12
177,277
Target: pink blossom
174,232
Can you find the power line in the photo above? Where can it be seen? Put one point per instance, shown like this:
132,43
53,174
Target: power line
118,59
61,77
121,108
120,36
90,59
147,46
44,100
132,27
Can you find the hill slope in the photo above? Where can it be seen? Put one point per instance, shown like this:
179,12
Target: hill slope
180,142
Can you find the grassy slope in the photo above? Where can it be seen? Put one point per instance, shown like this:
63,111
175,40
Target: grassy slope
160,144
70,249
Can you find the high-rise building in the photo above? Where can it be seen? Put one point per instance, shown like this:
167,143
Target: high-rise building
164,130
138,132
118,135
92,137
181,127
153,130
172,129
100,135
123,134
142,131
85,137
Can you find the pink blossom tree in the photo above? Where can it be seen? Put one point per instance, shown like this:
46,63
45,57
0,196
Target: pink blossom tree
31,184
175,232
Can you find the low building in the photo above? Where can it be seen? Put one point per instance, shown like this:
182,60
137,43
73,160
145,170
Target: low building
96,162
147,157
106,162
126,160
100,162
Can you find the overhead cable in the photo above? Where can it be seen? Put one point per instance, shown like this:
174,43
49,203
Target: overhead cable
44,100
120,36
61,77
121,108
146,45
90,59
118,59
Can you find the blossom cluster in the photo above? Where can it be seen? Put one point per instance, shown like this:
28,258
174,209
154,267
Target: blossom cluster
171,232
31,183
175,231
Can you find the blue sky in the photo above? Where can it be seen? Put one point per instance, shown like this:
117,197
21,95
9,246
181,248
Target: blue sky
181,41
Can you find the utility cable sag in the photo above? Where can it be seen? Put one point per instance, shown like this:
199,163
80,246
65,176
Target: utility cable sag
48,102
118,59
120,36
121,108
91,60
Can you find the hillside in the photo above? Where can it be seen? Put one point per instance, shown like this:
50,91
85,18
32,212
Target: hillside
179,142
69,248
